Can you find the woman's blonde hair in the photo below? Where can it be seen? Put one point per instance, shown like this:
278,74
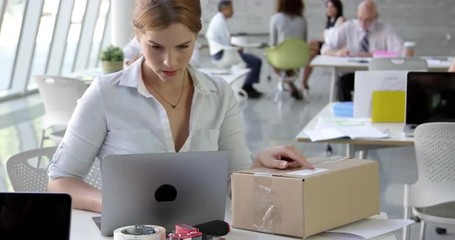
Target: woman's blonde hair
159,14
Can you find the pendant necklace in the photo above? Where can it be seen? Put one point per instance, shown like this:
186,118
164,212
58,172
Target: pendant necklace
170,104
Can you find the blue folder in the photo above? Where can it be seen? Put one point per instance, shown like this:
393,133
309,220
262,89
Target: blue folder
343,109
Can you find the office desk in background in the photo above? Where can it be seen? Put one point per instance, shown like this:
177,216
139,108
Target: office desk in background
339,65
395,139
246,42
233,76
83,228
229,75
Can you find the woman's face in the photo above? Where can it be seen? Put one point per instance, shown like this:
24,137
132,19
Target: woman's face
167,51
331,9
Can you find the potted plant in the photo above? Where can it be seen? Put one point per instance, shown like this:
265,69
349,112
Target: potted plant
111,59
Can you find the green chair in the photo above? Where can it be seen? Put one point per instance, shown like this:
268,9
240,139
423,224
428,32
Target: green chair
287,58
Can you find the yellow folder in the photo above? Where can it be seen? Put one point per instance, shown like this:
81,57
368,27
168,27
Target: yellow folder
388,106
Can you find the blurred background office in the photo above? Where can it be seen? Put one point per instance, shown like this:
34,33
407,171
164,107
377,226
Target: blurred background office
69,34
60,37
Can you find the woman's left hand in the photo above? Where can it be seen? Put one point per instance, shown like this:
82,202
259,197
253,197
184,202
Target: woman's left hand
281,157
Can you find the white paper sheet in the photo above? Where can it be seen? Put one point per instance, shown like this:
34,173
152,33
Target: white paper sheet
370,228
308,172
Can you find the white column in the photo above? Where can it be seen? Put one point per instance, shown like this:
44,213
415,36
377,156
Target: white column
121,27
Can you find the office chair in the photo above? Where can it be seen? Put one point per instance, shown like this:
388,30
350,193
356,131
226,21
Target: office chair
59,95
398,63
432,197
28,176
288,58
231,57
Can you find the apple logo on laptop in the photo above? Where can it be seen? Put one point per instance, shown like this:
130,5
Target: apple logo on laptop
166,193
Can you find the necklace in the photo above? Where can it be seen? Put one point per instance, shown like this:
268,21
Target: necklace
180,97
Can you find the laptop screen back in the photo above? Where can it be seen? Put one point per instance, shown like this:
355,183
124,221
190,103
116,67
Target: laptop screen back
25,216
430,97
163,189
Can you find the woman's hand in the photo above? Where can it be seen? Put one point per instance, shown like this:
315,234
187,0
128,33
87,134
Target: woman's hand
281,157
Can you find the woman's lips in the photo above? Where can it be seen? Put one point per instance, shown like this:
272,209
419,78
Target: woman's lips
169,73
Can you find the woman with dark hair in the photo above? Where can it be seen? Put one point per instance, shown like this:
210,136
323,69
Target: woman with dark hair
334,11
288,22
334,14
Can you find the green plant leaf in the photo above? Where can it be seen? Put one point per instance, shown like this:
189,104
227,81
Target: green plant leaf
112,53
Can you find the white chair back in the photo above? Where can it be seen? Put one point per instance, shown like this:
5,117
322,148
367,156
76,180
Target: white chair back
432,197
435,154
27,170
59,95
398,63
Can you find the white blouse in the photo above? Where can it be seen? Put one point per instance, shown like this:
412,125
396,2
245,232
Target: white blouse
117,115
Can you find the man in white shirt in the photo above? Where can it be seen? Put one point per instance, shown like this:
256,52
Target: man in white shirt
218,38
360,38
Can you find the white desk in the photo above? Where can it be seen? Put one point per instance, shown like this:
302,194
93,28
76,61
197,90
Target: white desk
234,76
245,42
347,64
229,75
396,139
83,228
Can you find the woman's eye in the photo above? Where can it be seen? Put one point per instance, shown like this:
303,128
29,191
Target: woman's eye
183,46
156,47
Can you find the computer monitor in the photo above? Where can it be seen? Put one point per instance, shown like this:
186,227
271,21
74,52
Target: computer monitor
39,215
430,97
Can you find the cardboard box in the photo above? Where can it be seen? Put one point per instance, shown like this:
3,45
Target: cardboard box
292,203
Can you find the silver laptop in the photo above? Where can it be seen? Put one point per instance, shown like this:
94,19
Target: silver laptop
37,215
163,189
430,97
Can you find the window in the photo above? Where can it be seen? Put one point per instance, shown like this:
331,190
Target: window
53,37
9,38
44,39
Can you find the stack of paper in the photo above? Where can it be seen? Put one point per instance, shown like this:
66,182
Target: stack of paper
367,228
333,128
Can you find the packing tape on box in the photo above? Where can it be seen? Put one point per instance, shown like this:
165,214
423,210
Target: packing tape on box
140,232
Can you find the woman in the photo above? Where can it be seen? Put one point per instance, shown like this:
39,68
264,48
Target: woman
159,103
334,11
288,22
334,15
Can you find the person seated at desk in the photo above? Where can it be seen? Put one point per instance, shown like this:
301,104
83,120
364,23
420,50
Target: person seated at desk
159,103
218,38
132,51
288,22
335,18
360,38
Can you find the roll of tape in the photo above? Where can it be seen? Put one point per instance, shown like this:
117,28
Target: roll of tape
140,232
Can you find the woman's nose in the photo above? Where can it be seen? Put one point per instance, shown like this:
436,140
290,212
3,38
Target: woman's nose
170,59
